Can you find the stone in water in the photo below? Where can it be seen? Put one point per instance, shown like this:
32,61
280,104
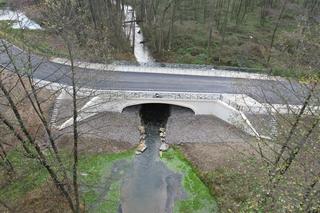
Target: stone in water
164,147
141,148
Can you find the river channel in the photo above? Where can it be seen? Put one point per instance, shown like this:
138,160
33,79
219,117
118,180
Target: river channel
150,186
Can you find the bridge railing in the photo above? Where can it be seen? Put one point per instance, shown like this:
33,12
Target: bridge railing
118,94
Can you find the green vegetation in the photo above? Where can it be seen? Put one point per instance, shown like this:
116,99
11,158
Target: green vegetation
233,189
3,3
112,201
234,33
99,179
31,175
39,42
46,43
94,170
199,198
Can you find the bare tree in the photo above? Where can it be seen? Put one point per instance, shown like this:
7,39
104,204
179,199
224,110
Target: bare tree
290,157
277,25
4,157
16,122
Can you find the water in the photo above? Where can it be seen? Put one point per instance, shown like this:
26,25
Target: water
141,52
150,186
118,169
19,19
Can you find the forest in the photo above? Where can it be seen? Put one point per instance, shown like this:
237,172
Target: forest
75,108
279,35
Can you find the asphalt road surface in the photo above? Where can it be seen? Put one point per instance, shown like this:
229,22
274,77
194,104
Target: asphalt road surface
275,92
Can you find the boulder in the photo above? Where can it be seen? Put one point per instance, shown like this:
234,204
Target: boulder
142,141
141,148
164,147
142,130
143,137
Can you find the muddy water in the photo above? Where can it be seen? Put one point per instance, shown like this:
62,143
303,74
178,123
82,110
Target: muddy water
150,186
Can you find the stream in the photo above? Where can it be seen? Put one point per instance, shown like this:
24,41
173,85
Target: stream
150,186
141,51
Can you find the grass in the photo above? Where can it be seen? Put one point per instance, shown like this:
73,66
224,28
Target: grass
97,167
39,42
111,204
45,43
98,164
30,176
199,198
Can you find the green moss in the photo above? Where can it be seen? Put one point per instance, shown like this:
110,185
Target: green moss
97,167
98,170
199,198
112,199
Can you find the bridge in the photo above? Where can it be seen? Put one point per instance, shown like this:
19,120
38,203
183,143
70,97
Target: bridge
225,94
230,108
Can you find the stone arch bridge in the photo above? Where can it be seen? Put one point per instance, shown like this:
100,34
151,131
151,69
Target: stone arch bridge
230,108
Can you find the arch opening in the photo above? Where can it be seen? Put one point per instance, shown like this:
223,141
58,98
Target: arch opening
139,105
157,114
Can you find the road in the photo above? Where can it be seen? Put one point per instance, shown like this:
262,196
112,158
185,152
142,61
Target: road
275,92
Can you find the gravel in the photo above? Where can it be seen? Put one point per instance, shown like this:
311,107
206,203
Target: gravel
185,127
112,126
